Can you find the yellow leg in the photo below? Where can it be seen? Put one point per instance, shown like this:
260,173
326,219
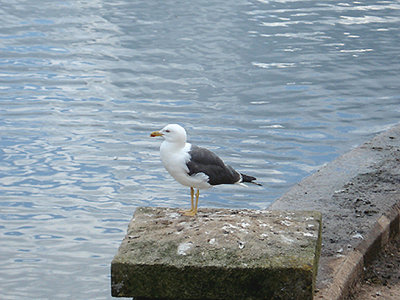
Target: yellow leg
193,211
197,201
186,212
191,198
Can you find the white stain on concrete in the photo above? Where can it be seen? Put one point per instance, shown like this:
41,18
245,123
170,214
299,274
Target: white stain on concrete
308,234
286,223
287,240
183,248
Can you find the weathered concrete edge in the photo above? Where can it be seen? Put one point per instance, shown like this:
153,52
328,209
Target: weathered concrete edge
350,270
347,270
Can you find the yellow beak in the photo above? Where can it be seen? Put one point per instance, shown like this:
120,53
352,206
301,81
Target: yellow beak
156,133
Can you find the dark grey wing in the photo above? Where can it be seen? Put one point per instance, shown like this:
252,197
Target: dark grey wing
205,161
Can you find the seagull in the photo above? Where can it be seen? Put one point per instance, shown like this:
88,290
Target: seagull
194,166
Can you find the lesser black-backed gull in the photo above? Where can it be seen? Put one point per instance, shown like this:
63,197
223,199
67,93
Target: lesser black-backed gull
194,166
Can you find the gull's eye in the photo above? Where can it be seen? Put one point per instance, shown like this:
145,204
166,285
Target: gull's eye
167,130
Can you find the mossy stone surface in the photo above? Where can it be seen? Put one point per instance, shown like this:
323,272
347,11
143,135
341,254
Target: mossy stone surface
219,254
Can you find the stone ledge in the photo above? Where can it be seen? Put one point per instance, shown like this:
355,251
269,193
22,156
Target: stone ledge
220,254
358,196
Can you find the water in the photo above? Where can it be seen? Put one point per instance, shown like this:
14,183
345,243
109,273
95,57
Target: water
277,88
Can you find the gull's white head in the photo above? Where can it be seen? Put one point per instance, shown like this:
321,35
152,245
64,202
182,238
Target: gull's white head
172,133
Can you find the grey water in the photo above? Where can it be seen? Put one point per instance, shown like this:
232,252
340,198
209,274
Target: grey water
276,88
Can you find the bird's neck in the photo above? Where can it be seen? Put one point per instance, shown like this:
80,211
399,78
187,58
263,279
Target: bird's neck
171,147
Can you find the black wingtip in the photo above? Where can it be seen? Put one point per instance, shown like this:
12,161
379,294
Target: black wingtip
250,179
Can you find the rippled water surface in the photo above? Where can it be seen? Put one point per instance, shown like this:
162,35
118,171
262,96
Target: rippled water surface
277,88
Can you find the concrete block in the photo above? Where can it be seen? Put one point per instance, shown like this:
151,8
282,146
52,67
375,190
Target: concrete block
219,254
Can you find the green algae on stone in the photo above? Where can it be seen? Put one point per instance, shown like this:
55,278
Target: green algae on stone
220,254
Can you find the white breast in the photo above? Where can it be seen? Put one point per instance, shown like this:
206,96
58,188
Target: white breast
174,159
